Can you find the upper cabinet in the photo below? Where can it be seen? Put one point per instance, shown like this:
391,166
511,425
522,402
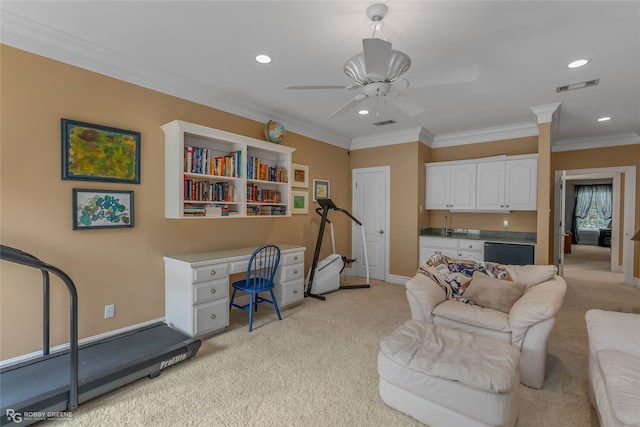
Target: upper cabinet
500,184
451,186
213,173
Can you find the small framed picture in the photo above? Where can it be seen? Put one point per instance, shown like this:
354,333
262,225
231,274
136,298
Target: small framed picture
321,189
300,176
300,202
102,209
99,153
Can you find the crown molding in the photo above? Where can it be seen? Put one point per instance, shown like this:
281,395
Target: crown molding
573,144
400,136
518,130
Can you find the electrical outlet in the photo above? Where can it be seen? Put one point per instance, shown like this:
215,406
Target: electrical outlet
109,311
505,223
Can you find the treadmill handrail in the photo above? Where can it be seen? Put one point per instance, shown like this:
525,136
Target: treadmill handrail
19,257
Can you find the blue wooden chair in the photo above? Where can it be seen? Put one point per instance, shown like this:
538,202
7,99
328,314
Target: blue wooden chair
260,271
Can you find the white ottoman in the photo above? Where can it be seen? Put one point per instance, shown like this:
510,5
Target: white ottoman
444,377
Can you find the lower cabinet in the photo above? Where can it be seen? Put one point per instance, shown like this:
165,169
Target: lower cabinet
455,248
197,286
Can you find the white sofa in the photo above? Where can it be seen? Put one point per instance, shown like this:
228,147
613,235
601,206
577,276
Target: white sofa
526,326
614,366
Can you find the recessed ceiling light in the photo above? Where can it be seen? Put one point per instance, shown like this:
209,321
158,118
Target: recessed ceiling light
363,112
263,59
578,63
604,119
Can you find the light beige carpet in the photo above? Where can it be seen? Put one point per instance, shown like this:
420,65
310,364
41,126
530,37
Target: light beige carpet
317,367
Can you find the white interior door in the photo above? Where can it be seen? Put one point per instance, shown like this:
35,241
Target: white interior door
561,224
370,206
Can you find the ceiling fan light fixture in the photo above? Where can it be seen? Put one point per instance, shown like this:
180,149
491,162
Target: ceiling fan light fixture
355,68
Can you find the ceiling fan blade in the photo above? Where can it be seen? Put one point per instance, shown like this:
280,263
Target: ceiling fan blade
377,53
407,105
294,87
443,77
349,105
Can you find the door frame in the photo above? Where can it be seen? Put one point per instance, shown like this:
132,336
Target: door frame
355,233
628,210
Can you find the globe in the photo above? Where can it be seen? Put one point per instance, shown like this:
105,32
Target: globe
274,132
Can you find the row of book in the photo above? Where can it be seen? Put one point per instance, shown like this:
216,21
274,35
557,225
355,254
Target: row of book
209,191
262,195
266,210
258,169
203,160
191,210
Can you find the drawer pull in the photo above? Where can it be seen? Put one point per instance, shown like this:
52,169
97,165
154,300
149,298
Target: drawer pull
295,271
295,258
213,317
212,272
213,290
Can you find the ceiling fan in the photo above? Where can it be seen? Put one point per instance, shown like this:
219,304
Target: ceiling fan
378,71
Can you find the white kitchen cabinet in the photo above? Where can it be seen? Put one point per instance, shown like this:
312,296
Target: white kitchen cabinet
508,184
451,186
468,249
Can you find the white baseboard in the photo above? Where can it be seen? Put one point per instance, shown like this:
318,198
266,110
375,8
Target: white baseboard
637,282
83,341
394,278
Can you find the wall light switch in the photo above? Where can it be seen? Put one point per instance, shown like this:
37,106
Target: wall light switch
109,311
505,223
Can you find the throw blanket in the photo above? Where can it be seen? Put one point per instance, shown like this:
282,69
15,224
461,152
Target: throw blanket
454,275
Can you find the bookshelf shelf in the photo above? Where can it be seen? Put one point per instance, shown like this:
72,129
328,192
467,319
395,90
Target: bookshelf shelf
211,173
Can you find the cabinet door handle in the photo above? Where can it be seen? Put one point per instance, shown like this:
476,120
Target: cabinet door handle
213,317
295,258
295,271
212,272
295,291
213,290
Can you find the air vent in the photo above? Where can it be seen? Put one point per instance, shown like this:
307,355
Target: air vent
580,85
385,122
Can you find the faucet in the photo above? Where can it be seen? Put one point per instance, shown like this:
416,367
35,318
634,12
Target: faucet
446,225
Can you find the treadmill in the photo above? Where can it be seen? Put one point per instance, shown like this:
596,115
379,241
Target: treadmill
42,387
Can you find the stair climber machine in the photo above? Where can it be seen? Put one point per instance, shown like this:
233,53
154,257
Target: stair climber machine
46,386
324,276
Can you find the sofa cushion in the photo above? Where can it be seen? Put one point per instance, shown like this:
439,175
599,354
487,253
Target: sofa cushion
493,293
621,373
531,275
473,315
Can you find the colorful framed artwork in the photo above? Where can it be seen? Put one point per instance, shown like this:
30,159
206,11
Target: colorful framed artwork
300,202
102,209
321,189
300,176
99,153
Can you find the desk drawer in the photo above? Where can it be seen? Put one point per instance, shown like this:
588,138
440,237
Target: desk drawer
209,291
292,258
210,272
211,316
290,292
238,266
291,272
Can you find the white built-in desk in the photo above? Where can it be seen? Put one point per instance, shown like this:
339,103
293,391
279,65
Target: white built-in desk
196,286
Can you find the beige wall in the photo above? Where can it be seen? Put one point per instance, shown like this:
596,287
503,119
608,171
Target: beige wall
626,155
119,266
405,162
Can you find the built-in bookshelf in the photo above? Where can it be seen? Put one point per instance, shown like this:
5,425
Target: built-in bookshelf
211,173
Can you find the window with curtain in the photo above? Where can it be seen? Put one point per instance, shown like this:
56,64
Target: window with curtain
592,209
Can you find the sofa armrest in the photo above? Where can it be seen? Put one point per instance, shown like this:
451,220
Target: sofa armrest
538,303
612,330
424,295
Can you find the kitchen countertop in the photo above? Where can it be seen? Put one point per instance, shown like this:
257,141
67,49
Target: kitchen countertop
485,235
